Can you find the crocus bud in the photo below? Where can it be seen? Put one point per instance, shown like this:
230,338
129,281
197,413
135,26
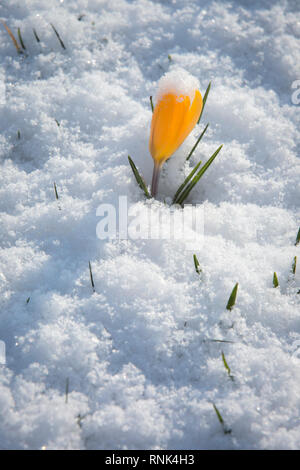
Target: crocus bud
177,110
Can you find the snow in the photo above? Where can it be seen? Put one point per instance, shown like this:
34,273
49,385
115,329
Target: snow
137,363
179,82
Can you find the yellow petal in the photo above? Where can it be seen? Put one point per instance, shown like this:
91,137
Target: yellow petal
190,119
172,121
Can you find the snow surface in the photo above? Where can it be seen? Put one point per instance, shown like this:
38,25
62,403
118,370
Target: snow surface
179,82
133,365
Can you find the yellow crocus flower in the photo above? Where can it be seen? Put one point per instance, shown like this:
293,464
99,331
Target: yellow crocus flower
173,119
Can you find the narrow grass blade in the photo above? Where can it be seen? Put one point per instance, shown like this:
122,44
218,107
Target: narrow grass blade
187,179
91,277
221,420
219,340
275,280
55,190
204,101
218,414
21,39
197,264
151,103
56,195
298,238
67,390
19,135
197,142
294,265
58,37
196,178
227,366
36,35
27,300
12,37
138,178
232,298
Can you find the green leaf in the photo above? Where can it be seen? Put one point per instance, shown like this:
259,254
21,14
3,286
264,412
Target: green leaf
67,390
204,101
151,102
21,39
232,298
197,142
294,265
298,238
218,414
58,36
55,190
225,363
197,264
138,178
225,428
36,35
91,277
275,280
187,179
196,178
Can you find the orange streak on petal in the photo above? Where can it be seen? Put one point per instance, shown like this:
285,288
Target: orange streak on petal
190,119
160,126
182,104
